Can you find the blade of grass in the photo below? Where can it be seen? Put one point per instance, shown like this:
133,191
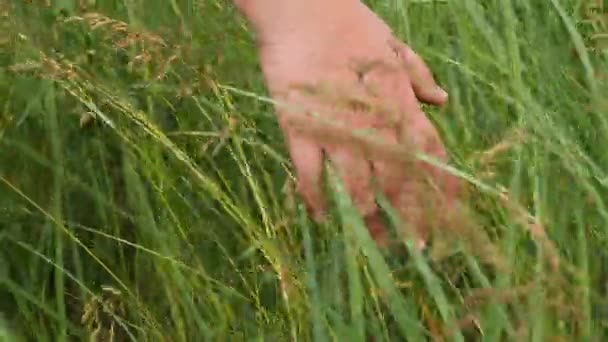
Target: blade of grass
408,322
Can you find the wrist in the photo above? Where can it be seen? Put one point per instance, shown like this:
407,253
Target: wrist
269,17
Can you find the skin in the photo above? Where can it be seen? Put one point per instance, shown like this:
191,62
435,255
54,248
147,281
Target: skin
334,67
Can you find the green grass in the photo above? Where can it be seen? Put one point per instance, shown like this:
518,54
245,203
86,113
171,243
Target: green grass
144,184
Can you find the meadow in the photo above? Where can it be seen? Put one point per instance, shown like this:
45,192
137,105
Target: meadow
145,189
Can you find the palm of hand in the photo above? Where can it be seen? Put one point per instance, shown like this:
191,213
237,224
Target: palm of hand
356,75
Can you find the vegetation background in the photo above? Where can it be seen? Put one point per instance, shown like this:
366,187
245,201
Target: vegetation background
144,184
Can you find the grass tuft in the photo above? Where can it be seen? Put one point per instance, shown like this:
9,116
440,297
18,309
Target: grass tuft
145,190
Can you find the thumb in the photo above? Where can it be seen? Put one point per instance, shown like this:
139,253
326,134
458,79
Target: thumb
425,87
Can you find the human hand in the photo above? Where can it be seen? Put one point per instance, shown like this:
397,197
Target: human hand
338,60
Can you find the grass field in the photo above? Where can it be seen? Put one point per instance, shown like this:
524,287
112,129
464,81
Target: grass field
144,184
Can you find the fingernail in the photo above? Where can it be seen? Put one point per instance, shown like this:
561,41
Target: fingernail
421,245
442,93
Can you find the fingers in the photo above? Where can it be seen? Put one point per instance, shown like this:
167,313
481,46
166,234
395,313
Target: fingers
376,229
355,172
425,87
307,158
406,186
402,189
353,169
311,139
405,189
